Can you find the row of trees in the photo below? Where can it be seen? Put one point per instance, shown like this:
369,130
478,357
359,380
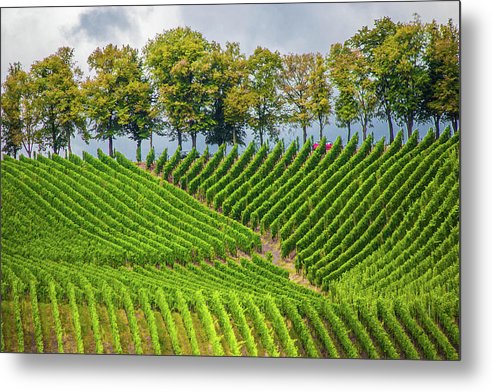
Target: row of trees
405,72
182,85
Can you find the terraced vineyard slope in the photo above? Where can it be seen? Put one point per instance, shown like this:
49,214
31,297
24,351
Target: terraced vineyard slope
375,220
99,256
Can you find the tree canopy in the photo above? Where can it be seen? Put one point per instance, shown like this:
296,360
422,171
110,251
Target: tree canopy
58,98
118,97
183,85
20,113
179,61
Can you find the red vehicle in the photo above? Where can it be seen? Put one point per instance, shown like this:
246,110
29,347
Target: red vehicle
329,145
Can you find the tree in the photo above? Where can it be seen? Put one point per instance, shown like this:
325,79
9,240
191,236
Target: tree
346,111
261,94
238,105
400,57
295,85
20,114
139,118
228,73
118,97
441,57
351,74
179,61
320,92
304,83
149,161
58,98
367,41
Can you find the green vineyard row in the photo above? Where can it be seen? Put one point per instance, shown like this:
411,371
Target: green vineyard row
100,256
370,217
188,310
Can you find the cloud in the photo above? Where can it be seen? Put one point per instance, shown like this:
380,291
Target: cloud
30,34
303,27
102,23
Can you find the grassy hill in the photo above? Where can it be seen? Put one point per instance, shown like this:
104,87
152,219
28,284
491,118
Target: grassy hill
100,256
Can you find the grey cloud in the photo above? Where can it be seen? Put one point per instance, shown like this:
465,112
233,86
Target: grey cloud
102,23
303,27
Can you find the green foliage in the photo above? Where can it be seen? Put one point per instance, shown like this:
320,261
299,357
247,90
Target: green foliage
76,317
320,91
149,161
260,97
179,61
404,72
376,227
56,315
59,99
171,164
350,72
400,59
183,309
38,331
161,162
109,300
20,112
18,316
149,315
280,328
238,315
118,96
183,166
259,321
441,57
208,324
229,74
295,84
139,153
169,321
307,93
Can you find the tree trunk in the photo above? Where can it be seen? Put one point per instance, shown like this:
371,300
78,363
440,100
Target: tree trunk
53,135
151,140
454,123
180,139
348,131
436,125
234,137
110,146
193,140
28,147
304,134
321,126
139,151
390,126
69,143
410,127
364,132
261,137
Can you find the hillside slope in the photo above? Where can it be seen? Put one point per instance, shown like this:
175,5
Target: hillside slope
99,256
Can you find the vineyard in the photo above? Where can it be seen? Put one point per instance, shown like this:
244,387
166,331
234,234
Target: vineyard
100,256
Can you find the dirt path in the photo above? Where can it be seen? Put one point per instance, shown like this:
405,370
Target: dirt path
268,245
273,246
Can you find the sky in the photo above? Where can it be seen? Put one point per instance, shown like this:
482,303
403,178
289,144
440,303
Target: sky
31,34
